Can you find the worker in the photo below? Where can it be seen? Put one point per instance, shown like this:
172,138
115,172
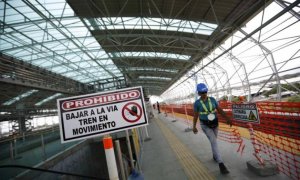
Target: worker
158,107
205,109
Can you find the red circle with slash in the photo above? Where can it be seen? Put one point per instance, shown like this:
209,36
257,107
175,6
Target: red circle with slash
127,108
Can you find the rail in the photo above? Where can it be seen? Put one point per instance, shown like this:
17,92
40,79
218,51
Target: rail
51,171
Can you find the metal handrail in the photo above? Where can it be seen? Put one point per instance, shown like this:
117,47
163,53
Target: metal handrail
31,133
51,171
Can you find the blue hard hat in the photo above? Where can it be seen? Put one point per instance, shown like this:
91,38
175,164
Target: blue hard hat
201,87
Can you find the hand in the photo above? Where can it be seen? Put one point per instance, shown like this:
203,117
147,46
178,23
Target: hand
229,122
195,130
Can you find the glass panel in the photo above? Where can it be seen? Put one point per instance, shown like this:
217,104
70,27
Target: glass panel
151,69
18,98
254,63
155,78
54,45
156,24
150,54
48,99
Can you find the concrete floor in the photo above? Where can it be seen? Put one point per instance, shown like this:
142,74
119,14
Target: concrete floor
159,160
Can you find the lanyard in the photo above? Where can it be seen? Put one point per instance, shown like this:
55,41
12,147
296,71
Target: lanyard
205,108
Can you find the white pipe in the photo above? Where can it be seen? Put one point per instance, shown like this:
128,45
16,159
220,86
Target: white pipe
110,158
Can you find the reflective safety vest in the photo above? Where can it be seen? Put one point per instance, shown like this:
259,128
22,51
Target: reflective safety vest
205,108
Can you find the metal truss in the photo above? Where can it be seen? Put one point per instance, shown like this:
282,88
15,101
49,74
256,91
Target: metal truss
42,46
241,76
76,47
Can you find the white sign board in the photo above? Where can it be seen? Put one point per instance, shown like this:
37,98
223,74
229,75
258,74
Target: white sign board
245,112
96,114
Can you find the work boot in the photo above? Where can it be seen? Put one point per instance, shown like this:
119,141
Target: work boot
223,168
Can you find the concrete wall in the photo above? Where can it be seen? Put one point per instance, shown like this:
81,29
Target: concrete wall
86,158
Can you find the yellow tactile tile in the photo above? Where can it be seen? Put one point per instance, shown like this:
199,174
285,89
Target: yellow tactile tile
193,168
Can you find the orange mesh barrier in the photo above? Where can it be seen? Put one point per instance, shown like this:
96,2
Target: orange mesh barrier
276,138
231,135
226,133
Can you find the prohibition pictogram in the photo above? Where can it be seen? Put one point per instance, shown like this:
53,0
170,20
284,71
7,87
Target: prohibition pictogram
132,112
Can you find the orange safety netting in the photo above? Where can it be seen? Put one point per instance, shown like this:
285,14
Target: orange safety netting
276,138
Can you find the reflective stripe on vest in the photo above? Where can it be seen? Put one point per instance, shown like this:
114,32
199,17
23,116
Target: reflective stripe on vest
205,108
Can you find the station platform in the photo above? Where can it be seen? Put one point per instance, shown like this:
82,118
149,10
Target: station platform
174,154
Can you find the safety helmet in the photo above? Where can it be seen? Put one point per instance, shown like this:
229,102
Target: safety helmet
201,87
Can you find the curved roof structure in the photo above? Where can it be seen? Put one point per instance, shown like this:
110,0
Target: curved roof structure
56,48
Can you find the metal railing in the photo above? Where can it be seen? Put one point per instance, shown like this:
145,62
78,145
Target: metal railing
51,171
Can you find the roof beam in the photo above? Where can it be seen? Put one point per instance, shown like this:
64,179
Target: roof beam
287,9
64,34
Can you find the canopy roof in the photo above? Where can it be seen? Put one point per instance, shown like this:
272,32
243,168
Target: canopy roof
76,47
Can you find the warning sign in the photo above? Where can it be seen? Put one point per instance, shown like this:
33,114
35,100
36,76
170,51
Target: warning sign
245,112
96,114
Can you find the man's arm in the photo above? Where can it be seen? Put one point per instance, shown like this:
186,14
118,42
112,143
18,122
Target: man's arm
196,115
228,120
